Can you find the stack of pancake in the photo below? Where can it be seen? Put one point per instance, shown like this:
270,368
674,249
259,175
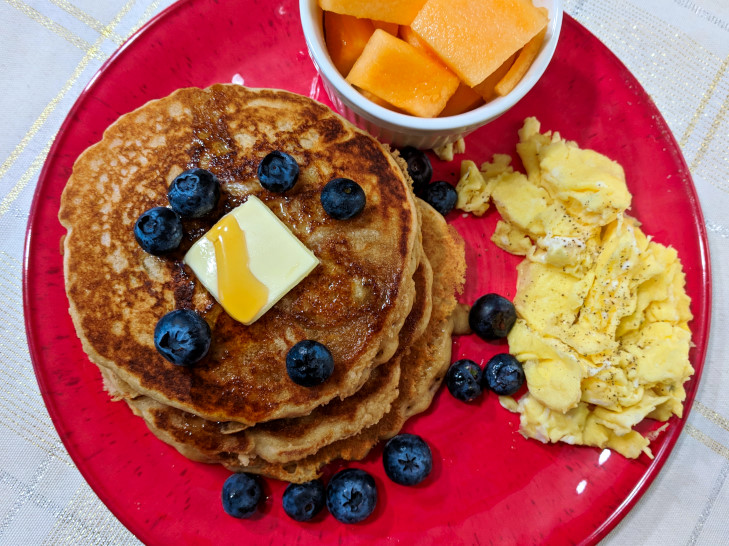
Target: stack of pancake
382,298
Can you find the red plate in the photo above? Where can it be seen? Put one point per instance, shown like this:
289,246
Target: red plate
488,482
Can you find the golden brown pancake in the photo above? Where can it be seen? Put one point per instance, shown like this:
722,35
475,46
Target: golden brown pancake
421,371
284,440
355,302
425,359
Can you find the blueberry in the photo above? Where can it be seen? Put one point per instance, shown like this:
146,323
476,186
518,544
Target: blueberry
303,501
492,317
419,167
278,172
503,374
241,494
194,193
464,380
182,337
441,196
351,495
309,363
343,198
158,230
407,459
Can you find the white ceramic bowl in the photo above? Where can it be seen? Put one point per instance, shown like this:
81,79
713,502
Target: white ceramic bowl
405,130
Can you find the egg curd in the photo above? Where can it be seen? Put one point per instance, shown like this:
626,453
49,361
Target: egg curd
603,314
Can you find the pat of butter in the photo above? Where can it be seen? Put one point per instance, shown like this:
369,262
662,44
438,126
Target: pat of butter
249,260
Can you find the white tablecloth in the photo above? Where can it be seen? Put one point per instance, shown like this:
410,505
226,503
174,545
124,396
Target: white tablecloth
50,49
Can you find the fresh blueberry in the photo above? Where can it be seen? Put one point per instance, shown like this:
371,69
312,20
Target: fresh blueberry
503,374
194,193
351,495
278,172
182,337
419,167
441,196
303,501
343,198
309,363
407,459
492,317
464,380
241,494
158,230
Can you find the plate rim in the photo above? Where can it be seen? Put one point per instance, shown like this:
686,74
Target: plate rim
617,515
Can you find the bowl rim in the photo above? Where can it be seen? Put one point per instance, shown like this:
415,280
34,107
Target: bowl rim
311,16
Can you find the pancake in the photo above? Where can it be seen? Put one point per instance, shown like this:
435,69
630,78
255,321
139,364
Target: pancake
421,370
425,357
355,302
284,440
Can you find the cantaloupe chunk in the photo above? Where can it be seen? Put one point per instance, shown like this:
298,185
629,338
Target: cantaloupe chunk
523,61
377,100
475,37
401,12
411,37
487,87
463,100
346,37
390,28
398,73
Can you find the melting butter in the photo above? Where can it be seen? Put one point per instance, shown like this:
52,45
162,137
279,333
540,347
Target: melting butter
249,260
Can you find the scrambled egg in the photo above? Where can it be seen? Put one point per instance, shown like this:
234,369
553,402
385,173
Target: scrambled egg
603,314
447,151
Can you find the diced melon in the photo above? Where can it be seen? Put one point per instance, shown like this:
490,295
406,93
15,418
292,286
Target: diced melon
463,100
346,37
522,63
475,37
411,37
486,88
377,100
390,28
401,12
398,73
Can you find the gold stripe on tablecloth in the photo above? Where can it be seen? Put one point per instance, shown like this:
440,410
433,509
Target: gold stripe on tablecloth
54,27
47,111
704,101
712,158
89,21
707,440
